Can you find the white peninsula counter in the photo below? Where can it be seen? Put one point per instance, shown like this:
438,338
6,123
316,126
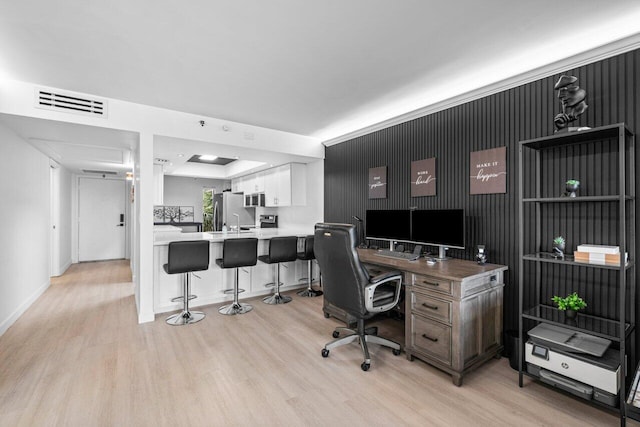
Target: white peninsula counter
213,282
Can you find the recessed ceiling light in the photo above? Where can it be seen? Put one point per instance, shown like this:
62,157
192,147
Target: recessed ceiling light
180,155
208,157
236,157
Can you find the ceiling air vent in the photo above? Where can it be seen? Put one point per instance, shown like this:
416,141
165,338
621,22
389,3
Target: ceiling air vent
70,103
99,172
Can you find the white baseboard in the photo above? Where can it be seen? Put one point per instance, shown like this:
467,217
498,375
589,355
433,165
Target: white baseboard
6,324
65,267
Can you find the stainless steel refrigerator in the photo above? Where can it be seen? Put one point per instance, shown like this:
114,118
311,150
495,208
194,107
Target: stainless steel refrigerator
225,205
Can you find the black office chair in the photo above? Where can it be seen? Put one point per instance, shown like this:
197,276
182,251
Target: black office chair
185,258
348,286
281,249
236,253
309,256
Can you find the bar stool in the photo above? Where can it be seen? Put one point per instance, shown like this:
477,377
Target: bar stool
308,256
236,253
281,249
185,258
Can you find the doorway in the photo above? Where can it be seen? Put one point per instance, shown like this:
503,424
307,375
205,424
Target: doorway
101,219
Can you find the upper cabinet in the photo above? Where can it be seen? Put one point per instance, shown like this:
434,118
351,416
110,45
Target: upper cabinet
285,185
282,186
237,185
258,183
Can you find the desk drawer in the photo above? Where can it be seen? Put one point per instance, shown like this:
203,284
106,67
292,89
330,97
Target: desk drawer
432,284
431,307
431,338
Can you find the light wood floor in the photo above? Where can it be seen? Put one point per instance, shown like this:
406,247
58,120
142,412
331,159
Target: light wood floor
77,357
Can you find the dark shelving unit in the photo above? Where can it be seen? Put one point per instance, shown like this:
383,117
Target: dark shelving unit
603,159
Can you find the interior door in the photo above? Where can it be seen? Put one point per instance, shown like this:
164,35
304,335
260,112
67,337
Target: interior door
101,229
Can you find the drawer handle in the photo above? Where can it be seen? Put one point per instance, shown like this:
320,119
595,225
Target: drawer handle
430,283
429,338
432,307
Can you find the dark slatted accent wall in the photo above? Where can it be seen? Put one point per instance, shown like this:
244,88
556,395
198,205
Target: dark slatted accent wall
502,119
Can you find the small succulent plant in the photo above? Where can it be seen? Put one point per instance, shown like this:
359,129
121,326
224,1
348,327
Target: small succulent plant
558,241
573,182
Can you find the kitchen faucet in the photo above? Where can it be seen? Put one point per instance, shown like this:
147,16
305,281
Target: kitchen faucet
238,217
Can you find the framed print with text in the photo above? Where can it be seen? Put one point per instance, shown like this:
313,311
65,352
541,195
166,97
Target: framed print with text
423,177
378,183
488,171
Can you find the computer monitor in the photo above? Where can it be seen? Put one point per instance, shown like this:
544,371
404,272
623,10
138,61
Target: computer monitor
393,225
442,228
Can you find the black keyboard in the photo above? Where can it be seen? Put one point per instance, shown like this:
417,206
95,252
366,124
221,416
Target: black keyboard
399,255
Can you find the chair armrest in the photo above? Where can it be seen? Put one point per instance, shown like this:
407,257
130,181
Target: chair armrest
370,296
386,276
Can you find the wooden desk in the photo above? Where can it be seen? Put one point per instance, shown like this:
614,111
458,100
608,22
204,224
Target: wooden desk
453,311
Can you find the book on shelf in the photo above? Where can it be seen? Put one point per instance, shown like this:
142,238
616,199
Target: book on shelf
600,249
599,258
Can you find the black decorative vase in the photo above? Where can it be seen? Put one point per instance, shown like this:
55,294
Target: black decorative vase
558,249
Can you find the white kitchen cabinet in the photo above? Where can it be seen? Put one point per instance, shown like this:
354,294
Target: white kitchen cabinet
258,182
247,184
237,185
285,185
158,184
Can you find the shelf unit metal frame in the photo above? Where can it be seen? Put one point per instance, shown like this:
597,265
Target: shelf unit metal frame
618,330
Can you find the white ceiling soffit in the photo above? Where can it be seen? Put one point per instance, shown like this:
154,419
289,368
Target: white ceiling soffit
178,151
316,68
75,146
64,151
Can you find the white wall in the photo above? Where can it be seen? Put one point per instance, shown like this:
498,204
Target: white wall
184,191
24,252
64,223
313,211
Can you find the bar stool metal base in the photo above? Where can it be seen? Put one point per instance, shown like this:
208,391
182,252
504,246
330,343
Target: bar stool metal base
235,308
185,317
309,293
276,299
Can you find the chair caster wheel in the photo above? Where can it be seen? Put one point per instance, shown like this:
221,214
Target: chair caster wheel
326,315
396,352
325,352
365,366
336,334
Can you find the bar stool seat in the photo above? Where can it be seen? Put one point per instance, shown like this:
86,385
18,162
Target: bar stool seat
236,253
281,249
184,258
309,256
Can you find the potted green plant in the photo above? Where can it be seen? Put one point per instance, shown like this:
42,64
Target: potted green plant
572,186
569,304
559,245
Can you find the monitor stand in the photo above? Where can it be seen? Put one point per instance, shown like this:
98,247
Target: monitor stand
442,254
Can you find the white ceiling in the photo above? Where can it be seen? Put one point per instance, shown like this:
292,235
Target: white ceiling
315,68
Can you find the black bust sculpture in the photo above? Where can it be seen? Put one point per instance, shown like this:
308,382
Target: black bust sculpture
572,99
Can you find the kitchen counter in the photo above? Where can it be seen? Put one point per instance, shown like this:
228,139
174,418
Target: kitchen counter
221,236
211,284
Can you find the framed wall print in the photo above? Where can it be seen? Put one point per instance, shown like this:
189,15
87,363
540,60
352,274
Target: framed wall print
423,177
378,183
488,171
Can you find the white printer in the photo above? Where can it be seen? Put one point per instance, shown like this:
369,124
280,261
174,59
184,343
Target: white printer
576,362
